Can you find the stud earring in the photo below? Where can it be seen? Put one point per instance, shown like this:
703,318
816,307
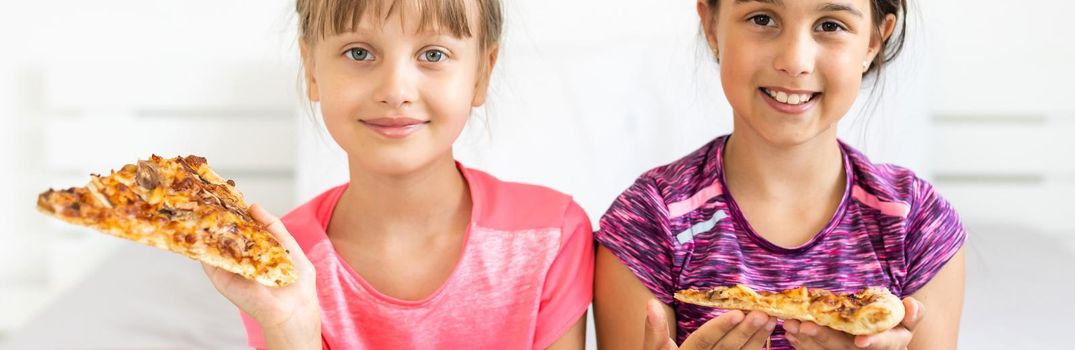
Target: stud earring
865,66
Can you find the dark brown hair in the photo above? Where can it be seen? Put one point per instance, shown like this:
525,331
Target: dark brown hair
890,47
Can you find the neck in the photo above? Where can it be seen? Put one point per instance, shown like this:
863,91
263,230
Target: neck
435,195
764,169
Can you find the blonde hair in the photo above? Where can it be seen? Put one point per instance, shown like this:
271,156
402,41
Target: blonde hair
320,18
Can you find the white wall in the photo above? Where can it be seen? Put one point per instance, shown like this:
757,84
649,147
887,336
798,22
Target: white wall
1003,112
89,86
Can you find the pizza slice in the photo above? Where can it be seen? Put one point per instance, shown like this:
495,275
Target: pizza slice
180,205
869,311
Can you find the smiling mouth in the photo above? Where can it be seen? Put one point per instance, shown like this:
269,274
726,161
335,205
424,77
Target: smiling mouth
394,128
792,99
393,122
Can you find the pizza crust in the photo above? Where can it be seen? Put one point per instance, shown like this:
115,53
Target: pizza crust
870,311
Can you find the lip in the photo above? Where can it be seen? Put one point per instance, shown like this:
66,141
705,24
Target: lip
790,109
394,127
790,91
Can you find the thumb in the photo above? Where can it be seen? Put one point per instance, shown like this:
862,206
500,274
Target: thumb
656,335
276,228
913,313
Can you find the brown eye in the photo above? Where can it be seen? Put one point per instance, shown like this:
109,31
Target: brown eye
830,27
762,20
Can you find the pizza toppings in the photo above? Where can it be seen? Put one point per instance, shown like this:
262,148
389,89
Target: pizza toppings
180,205
869,311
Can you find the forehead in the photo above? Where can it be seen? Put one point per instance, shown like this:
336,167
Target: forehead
858,8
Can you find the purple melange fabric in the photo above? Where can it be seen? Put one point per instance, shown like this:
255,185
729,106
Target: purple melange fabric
677,228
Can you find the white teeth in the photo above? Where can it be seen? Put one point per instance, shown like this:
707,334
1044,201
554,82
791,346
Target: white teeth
792,99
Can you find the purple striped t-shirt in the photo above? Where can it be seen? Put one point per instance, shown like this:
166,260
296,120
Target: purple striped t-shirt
678,228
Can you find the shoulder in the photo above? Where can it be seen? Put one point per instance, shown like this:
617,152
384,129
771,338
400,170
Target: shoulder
892,189
685,176
506,205
308,221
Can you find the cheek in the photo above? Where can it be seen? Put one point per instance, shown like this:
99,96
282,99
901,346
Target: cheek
738,70
449,97
843,80
341,98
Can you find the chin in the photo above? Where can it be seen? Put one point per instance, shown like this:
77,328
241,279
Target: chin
394,165
789,136
392,161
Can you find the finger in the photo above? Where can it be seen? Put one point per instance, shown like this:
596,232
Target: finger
803,343
276,227
758,340
752,324
896,338
223,279
656,335
271,222
825,337
913,313
792,326
709,334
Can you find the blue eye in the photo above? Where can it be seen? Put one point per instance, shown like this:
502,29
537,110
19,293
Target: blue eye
432,56
763,20
359,54
830,27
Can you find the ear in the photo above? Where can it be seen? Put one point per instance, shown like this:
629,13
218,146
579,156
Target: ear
481,90
885,30
308,70
707,16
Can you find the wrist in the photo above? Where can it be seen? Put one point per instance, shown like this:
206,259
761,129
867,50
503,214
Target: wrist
295,333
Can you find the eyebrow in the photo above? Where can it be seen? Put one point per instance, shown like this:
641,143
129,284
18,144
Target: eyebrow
774,2
828,7
836,7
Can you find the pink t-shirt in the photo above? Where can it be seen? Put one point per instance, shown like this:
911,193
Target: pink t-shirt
524,278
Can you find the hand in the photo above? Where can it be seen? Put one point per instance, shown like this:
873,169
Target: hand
809,336
729,331
272,307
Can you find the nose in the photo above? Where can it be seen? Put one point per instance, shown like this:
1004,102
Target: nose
797,54
396,88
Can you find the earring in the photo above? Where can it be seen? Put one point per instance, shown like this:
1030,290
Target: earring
865,66
716,55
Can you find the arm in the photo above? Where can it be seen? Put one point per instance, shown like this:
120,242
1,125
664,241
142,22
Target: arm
568,287
620,304
942,298
574,338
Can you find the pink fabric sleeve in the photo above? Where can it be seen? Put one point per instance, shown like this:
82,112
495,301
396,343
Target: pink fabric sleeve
568,285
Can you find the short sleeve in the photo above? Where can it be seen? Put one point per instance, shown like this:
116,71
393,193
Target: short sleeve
934,235
635,229
568,286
